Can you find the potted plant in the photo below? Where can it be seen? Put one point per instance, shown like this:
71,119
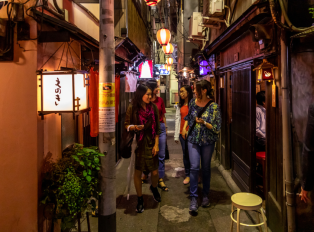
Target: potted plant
71,184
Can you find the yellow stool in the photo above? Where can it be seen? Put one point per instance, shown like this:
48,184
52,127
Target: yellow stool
247,201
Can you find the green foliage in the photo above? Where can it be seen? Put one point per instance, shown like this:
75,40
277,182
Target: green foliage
71,182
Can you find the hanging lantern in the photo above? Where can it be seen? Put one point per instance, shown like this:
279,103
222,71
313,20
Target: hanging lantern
168,67
63,92
168,49
169,60
265,71
163,36
151,2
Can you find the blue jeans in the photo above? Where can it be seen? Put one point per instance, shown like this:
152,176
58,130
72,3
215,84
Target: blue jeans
204,154
162,150
185,162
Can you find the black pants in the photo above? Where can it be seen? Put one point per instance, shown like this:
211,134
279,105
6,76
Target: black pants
259,144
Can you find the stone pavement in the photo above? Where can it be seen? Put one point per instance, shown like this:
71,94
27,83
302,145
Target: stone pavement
172,214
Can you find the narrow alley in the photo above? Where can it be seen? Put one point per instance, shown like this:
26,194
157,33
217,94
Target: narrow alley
172,214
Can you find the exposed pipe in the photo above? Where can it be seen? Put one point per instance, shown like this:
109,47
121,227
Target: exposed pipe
286,136
283,11
214,19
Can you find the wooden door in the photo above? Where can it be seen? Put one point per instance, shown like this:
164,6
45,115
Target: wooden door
243,128
225,125
275,207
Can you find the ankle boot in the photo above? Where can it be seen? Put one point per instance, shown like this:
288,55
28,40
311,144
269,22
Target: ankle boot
140,205
156,194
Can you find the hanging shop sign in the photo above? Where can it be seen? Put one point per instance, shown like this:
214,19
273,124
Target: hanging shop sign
62,92
146,69
265,71
107,102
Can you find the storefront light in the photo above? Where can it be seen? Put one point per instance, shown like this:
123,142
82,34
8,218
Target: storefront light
265,71
62,92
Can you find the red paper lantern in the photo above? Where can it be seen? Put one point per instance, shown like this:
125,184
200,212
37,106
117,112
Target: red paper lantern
151,2
168,49
163,36
169,60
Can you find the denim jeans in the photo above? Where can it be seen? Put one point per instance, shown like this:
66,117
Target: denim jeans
204,154
185,161
162,150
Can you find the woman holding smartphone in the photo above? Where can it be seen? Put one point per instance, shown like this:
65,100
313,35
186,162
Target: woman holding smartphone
186,96
204,123
143,118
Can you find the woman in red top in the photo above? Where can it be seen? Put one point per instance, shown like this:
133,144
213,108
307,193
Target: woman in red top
153,85
186,95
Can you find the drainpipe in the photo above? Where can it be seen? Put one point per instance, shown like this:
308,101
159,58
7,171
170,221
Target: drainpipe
126,18
107,176
286,136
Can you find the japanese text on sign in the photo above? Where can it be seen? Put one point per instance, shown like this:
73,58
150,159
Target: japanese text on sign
106,107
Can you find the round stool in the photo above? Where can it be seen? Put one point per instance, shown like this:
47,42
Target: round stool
247,201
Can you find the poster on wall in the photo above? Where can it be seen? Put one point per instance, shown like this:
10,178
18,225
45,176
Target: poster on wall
107,107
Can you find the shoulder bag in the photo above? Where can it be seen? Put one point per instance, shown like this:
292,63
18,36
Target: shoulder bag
125,148
186,154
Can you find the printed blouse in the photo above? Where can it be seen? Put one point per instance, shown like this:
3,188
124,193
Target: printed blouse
201,135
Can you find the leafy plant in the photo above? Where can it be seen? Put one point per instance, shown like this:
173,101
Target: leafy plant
71,182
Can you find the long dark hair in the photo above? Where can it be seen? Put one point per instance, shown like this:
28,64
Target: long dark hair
152,84
138,97
204,84
190,95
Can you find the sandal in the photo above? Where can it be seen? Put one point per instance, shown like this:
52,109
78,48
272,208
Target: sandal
162,185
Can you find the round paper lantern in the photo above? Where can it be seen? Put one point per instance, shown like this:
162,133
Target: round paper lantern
168,67
168,49
163,36
151,2
169,60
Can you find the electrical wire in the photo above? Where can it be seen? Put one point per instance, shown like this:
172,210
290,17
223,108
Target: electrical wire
51,56
61,56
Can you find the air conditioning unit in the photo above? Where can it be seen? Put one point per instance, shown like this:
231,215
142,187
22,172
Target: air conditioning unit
195,29
216,8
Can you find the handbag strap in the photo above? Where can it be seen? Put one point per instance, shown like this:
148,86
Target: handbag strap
199,115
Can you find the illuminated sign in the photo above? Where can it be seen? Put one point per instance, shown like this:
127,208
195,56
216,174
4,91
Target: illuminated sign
146,69
204,68
162,69
62,92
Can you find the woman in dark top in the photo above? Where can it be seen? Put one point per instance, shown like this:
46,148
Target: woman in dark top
153,85
201,140
143,118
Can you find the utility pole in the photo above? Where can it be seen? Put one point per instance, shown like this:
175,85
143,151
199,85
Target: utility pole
107,203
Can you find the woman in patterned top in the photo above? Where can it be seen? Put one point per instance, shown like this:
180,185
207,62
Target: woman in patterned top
201,140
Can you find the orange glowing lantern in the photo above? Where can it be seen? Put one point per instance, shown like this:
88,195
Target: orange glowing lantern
169,60
151,2
168,67
168,50
163,36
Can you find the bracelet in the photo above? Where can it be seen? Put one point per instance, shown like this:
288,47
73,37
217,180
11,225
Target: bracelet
129,127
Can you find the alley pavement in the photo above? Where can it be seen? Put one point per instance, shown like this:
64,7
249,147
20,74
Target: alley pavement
172,214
